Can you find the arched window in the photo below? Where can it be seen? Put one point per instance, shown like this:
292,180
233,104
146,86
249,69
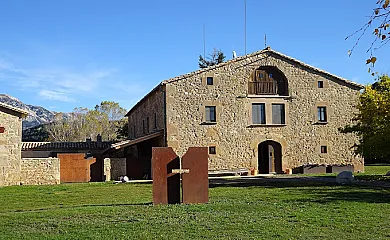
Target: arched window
268,81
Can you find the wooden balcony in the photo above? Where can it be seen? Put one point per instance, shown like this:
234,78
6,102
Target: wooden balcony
263,88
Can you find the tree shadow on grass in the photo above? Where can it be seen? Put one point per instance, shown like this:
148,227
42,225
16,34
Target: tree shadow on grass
313,189
273,182
347,194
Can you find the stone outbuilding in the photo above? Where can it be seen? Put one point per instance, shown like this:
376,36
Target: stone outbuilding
264,111
78,161
10,144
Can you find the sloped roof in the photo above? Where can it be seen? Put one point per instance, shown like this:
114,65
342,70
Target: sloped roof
266,50
14,109
127,143
65,145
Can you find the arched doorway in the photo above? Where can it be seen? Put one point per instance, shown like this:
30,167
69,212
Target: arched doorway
270,157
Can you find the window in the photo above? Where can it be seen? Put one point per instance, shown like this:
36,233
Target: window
321,114
143,126
210,80
324,149
278,115
320,84
268,80
2,129
258,113
212,150
147,124
155,121
211,115
131,132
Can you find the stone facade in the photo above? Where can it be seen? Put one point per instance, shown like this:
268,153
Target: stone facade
37,171
148,115
236,138
10,144
114,168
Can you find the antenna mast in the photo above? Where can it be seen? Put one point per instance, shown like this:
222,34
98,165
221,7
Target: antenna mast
265,40
245,25
204,42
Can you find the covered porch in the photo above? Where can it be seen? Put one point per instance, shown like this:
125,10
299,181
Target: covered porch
138,154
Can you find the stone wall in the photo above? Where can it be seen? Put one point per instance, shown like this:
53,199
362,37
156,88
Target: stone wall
114,168
37,171
148,115
10,147
237,139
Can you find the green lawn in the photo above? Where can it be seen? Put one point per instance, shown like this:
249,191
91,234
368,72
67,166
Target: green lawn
262,211
377,169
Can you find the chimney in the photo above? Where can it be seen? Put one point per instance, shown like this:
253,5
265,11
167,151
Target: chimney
99,138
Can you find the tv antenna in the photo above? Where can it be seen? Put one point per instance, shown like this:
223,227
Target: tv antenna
245,25
204,42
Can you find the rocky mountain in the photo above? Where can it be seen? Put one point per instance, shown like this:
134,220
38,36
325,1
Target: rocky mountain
36,115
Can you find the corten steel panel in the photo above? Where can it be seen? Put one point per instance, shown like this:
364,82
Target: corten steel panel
166,185
195,184
74,167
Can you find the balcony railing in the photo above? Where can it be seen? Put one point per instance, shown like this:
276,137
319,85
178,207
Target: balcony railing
265,87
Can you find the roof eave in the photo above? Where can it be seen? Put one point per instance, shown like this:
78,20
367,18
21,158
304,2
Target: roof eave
24,113
143,98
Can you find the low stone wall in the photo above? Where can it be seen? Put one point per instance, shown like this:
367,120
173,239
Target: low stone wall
114,168
37,171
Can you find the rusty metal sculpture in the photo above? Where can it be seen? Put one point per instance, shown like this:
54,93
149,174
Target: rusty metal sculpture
166,185
166,176
195,183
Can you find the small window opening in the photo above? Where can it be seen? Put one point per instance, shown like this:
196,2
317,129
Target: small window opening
212,150
324,149
320,84
155,121
210,81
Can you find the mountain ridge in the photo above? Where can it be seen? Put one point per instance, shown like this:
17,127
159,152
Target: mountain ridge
37,115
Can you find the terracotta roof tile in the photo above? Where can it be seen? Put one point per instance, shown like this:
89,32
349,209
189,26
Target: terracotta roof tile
65,145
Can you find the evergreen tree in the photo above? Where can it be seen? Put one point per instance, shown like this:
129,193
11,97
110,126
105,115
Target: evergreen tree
216,57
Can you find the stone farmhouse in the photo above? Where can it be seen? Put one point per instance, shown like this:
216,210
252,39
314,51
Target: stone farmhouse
10,144
264,111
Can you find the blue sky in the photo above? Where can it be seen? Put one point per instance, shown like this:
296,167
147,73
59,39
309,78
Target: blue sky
67,54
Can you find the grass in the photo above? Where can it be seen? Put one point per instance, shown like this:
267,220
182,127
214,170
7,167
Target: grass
261,211
375,172
376,169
